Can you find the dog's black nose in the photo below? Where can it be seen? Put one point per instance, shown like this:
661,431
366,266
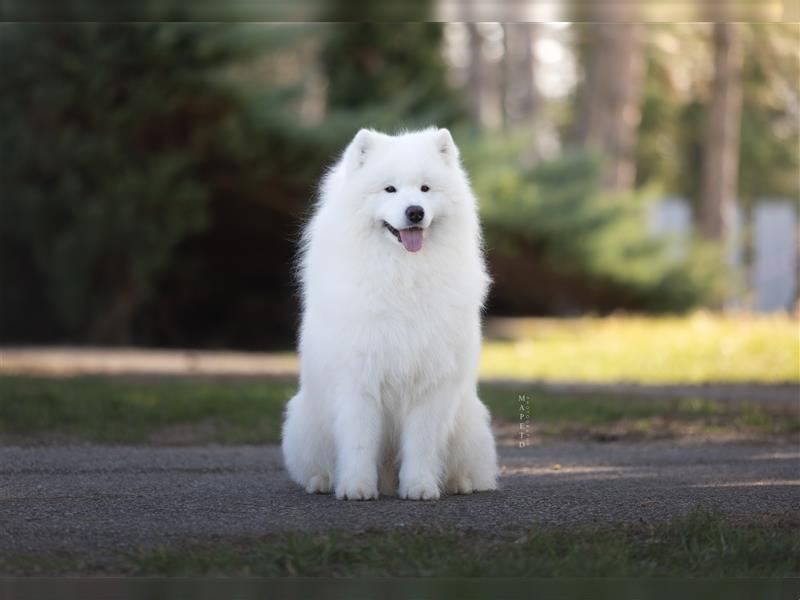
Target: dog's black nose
415,214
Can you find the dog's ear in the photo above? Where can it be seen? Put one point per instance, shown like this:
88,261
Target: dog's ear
446,146
356,154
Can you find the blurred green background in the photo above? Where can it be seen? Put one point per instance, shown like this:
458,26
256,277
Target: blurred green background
155,176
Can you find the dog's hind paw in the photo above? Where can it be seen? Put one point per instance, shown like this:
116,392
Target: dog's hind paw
319,484
460,485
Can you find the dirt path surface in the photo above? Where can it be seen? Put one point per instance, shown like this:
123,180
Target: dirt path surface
93,499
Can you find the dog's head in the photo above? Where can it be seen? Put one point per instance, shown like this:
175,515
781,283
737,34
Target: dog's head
404,186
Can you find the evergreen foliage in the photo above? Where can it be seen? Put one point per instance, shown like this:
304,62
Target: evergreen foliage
560,244
118,140
397,67
155,176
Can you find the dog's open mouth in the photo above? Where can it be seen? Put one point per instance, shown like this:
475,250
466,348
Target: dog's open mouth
411,238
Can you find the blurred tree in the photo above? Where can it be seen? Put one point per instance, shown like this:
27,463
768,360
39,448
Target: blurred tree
522,95
669,149
610,94
721,156
475,76
558,244
397,66
676,103
156,175
769,160
122,144
99,177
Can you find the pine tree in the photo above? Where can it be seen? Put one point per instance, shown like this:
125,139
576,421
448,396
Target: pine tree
113,138
397,67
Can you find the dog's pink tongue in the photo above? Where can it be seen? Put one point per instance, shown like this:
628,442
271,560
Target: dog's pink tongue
412,239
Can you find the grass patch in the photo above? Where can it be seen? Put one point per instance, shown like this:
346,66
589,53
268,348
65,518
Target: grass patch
237,411
702,348
700,544
107,410
607,417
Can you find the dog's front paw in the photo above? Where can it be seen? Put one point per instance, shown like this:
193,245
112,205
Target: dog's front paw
357,490
419,490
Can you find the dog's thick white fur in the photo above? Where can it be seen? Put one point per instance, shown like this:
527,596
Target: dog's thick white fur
393,281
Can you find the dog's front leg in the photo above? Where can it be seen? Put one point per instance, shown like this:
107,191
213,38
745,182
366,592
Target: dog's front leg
358,435
424,439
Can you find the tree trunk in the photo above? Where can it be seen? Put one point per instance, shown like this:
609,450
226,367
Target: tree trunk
611,95
721,154
522,98
475,77
505,92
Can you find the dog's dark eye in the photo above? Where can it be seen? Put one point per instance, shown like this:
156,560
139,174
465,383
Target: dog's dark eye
390,188
424,188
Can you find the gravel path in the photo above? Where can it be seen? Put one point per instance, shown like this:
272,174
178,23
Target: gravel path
93,499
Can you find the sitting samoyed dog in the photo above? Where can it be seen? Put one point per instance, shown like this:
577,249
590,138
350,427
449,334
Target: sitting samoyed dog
393,281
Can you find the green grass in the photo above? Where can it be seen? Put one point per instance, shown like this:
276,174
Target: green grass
608,417
700,544
198,411
108,410
702,348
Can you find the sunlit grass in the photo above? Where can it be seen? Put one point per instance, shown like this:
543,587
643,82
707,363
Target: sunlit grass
702,348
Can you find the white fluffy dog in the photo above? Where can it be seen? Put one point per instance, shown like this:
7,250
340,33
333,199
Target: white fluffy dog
393,282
